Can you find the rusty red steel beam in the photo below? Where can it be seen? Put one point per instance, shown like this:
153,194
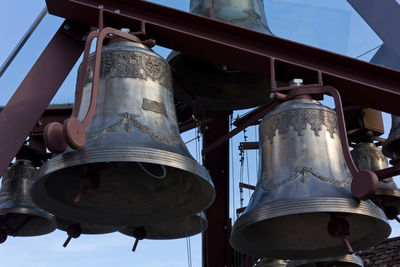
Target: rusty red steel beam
248,145
247,186
34,94
358,82
253,116
216,248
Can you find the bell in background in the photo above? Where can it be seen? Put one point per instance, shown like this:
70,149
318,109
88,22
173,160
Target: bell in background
367,156
215,86
19,216
341,261
178,228
302,206
391,148
270,263
74,229
135,168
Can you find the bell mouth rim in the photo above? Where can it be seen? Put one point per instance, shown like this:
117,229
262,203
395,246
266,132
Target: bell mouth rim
36,212
85,156
62,226
311,205
307,206
199,228
122,154
276,262
344,258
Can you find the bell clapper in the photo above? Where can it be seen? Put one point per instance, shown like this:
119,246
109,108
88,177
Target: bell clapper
73,231
27,219
139,233
339,227
89,182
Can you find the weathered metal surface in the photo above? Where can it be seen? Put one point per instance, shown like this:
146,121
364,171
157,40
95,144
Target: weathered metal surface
134,168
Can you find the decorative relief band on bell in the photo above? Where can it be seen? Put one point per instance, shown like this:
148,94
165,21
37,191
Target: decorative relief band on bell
131,64
369,155
299,119
302,172
154,106
128,121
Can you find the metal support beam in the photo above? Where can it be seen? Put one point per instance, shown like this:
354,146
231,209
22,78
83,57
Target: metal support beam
358,82
34,94
216,249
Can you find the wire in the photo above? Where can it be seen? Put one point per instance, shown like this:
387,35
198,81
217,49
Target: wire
189,251
232,168
369,51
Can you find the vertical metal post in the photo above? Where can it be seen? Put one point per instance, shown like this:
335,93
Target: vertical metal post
34,94
216,249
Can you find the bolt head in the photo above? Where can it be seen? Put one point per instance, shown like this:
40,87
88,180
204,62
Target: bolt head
117,11
296,82
66,26
100,6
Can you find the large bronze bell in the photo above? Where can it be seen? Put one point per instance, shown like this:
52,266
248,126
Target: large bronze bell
341,261
19,216
391,148
271,263
178,228
215,86
134,169
367,156
302,206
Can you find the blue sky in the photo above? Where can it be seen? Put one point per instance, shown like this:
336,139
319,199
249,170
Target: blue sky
330,24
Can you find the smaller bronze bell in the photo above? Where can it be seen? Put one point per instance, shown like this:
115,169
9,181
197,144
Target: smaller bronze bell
391,148
342,261
179,228
19,216
74,229
387,197
270,263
